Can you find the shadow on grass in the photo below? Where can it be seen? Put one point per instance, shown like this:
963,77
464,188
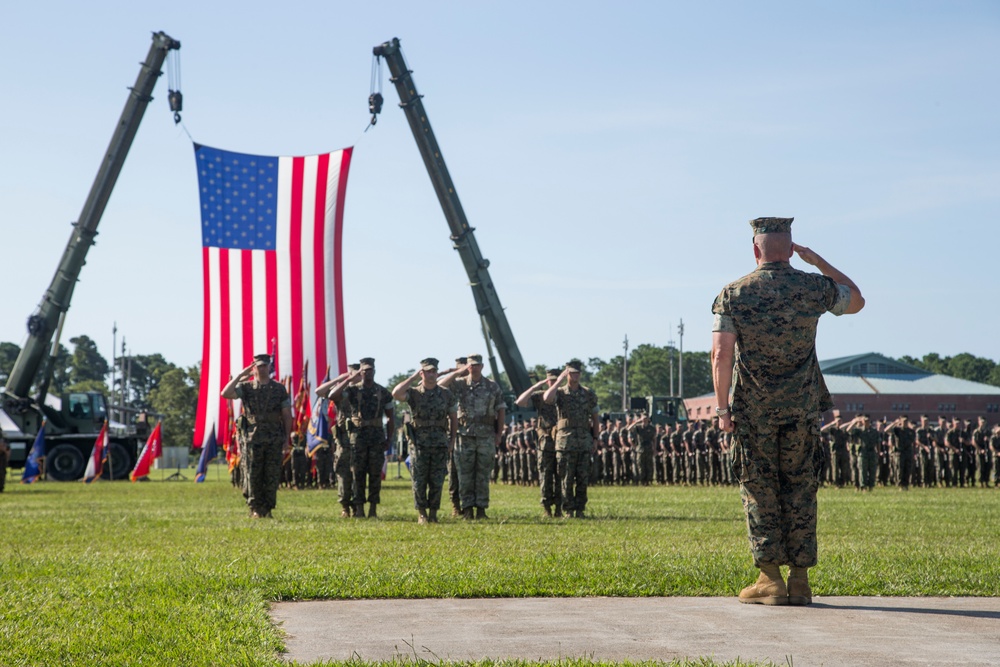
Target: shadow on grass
971,613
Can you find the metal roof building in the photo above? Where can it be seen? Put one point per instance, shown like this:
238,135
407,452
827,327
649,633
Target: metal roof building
882,387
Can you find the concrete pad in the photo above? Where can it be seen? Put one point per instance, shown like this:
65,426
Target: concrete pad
832,631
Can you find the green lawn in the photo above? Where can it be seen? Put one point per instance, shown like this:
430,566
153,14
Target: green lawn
175,573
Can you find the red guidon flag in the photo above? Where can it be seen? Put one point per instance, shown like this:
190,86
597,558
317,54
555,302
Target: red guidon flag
152,451
98,455
271,247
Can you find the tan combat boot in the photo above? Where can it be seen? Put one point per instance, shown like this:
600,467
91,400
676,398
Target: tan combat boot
547,510
372,514
467,514
481,513
799,593
433,517
359,511
345,510
422,516
456,510
769,589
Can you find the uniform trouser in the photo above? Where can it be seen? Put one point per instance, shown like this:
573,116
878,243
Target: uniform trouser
774,466
453,494
608,457
715,466
984,468
3,469
300,468
574,471
474,456
842,468
904,468
703,471
677,463
345,478
996,470
548,476
644,457
429,465
930,474
261,475
595,468
324,467
868,468
958,469
366,471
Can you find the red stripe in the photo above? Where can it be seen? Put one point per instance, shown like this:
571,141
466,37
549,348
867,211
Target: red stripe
206,360
246,257
271,287
319,275
337,248
295,268
225,331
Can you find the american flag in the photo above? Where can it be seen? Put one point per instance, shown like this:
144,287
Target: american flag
271,247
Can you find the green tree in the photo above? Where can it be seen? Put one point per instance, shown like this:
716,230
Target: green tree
176,397
965,366
87,367
8,355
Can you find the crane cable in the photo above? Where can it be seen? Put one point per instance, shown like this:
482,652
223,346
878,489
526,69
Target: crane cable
375,91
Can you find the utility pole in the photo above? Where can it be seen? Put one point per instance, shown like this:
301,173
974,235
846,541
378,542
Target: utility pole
114,346
670,346
680,380
625,376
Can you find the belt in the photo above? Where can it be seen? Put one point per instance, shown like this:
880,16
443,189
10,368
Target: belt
567,423
430,423
359,422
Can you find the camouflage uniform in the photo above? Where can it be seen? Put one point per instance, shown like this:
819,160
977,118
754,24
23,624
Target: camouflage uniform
343,458
262,442
431,428
574,442
548,476
364,410
475,451
300,463
778,397
644,437
905,438
867,441
840,457
981,438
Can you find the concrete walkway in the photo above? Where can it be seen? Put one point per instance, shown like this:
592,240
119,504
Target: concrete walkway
832,631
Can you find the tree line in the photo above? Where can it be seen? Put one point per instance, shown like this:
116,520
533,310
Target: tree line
151,383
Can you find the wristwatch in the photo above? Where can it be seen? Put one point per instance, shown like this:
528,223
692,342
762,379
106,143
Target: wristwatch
721,411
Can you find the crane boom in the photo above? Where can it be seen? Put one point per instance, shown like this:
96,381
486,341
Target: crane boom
476,266
43,324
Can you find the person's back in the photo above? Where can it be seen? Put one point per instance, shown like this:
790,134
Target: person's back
765,327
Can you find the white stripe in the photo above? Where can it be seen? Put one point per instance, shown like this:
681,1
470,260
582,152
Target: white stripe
332,183
307,277
214,345
234,364
261,345
284,211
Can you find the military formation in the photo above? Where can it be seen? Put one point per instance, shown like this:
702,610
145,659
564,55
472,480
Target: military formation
456,430
946,452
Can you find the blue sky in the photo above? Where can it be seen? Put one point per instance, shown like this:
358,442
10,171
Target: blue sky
608,154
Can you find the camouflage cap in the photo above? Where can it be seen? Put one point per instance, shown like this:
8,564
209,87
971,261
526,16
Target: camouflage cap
429,364
574,365
475,359
262,360
552,373
461,361
367,362
355,367
771,225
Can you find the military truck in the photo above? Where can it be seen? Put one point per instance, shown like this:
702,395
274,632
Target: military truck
73,420
668,410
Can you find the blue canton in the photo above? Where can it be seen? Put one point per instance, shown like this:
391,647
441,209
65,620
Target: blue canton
239,199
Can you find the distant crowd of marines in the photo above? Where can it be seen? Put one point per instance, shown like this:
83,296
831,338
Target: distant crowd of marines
948,452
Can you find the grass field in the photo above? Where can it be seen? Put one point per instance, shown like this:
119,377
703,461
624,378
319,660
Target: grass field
175,573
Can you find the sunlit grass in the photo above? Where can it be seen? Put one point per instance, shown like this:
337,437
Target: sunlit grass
166,573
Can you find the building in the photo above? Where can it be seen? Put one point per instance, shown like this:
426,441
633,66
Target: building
881,387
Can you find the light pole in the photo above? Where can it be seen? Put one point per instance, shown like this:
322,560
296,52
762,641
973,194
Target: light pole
625,376
680,374
670,347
